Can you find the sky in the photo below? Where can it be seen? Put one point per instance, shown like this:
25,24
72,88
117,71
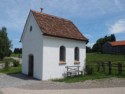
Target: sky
94,18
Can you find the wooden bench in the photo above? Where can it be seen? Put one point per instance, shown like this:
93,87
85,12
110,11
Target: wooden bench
73,70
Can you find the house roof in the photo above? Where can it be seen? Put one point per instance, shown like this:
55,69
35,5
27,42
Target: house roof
57,27
118,43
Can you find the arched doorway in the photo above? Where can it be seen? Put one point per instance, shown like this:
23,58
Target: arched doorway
31,65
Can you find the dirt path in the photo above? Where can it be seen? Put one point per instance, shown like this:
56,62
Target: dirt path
49,85
23,82
14,80
120,90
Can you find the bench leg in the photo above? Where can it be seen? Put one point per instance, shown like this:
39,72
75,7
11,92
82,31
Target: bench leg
70,74
81,73
78,73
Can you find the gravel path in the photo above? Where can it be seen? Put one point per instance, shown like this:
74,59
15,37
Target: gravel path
15,80
120,90
23,82
49,85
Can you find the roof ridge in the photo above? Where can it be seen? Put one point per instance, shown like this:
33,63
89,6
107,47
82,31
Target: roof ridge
51,15
118,41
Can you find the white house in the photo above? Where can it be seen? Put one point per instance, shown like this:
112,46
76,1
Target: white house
49,44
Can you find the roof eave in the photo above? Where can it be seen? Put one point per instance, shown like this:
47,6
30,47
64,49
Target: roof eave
21,39
65,37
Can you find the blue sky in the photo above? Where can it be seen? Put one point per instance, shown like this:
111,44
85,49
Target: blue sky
94,18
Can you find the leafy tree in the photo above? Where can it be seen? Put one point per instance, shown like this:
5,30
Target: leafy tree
9,53
113,37
18,50
5,43
88,49
97,47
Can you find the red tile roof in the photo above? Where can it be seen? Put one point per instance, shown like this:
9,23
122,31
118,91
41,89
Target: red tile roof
118,43
57,27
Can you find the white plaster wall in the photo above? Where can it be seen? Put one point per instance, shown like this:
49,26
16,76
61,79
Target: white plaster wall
32,44
51,46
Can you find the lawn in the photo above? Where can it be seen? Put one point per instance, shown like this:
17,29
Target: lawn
94,57
91,61
1,61
16,68
11,70
82,78
16,55
94,76
6,59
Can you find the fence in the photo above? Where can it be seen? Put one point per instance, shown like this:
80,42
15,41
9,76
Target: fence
110,67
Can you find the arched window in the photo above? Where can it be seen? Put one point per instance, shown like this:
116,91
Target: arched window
76,55
31,28
62,53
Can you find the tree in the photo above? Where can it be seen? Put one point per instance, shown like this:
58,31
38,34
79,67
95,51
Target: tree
5,43
113,37
9,53
97,47
88,49
18,50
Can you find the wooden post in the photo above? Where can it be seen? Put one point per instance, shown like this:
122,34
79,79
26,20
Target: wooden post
98,67
119,68
110,67
103,67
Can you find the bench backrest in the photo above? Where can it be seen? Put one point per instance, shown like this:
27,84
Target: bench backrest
72,68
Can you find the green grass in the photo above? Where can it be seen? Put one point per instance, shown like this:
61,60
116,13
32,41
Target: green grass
6,59
1,61
94,76
16,55
82,78
11,70
92,59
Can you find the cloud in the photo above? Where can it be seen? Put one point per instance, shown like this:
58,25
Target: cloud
118,27
14,12
88,36
90,45
118,4
13,16
82,8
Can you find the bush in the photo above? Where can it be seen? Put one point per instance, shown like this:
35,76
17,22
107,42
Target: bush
15,63
9,53
89,70
6,64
